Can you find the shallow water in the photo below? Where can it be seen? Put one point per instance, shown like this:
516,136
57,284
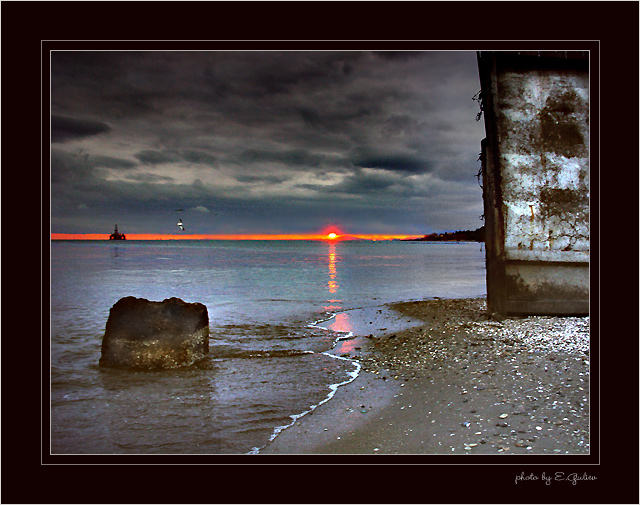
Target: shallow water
267,358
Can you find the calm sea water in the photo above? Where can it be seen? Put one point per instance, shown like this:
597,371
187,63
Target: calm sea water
267,363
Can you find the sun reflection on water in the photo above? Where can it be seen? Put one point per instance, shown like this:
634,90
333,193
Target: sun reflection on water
333,272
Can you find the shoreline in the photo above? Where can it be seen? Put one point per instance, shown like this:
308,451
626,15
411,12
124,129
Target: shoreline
353,329
441,377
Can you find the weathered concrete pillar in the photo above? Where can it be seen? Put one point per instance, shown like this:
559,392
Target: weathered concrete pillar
535,161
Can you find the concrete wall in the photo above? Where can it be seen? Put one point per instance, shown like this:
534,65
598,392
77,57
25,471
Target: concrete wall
536,181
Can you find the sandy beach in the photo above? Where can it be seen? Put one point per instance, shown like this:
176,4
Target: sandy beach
444,377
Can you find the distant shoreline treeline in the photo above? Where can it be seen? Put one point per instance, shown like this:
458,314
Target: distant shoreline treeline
453,236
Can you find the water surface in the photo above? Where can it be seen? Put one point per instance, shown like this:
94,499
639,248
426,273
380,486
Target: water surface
267,358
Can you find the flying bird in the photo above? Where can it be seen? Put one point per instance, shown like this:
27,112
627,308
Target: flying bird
180,225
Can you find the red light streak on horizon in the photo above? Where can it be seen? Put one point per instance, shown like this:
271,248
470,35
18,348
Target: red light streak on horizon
158,236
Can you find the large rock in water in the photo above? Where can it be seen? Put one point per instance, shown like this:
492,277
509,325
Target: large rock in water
146,335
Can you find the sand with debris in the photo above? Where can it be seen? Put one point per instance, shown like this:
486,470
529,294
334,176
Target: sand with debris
453,380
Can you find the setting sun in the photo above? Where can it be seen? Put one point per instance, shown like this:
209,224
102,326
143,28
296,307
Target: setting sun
332,235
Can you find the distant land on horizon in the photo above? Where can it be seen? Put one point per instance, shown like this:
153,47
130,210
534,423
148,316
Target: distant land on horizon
452,236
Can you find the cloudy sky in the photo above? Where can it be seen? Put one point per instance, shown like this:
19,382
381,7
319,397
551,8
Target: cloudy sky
264,142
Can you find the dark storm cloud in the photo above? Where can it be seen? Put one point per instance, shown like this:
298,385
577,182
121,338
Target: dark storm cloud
368,182
66,167
109,162
265,75
80,165
261,179
399,163
64,128
149,178
158,157
265,134
289,157
199,157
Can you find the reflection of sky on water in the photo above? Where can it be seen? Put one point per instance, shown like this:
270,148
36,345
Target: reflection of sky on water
346,346
341,323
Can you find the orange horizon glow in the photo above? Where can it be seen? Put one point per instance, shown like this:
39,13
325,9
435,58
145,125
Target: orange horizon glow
255,236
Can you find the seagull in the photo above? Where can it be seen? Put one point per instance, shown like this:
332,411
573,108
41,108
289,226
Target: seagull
180,225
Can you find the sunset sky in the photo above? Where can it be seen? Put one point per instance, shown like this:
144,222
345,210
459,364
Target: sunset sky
268,142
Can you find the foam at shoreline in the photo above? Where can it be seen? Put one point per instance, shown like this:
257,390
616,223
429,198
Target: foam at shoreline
361,322
332,387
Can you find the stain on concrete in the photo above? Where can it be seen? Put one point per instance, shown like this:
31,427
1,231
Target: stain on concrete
560,128
561,202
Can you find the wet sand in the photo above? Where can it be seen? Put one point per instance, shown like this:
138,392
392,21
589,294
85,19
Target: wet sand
443,377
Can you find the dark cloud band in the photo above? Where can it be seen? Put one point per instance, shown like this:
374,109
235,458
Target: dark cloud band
64,129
